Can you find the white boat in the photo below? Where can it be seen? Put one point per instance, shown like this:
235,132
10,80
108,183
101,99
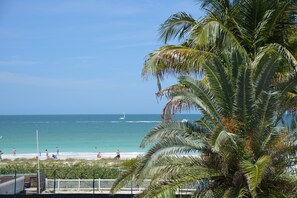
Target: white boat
123,117
184,120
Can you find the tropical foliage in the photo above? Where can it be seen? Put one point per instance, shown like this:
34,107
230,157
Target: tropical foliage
237,148
253,24
243,52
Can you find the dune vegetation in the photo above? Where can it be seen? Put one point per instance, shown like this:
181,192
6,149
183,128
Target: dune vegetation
105,168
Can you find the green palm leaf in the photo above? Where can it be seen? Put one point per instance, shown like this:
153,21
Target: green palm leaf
173,129
195,95
244,98
177,25
223,139
264,71
254,173
215,33
175,59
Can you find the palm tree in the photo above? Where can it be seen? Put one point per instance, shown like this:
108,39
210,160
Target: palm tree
237,148
253,24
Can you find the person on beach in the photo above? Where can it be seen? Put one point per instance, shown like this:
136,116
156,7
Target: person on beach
118,156
46,153
14,151
58,151
1,155
99,155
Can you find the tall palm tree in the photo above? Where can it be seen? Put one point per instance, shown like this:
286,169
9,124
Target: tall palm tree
253,24
237,148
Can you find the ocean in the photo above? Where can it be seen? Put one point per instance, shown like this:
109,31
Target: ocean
77,133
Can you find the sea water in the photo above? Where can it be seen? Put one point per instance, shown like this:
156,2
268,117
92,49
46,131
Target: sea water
77,133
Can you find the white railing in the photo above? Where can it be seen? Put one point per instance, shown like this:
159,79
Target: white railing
99,186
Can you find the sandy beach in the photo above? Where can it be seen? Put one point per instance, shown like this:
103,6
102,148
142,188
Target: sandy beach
72,155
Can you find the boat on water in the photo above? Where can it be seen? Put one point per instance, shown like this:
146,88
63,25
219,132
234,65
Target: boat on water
123,117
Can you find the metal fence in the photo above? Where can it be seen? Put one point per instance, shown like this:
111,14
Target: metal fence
66,180
100,186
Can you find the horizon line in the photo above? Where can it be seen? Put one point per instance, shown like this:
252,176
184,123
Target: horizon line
54,114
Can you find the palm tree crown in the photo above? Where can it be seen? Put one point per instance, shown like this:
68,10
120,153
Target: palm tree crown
253,24
248,81
242,152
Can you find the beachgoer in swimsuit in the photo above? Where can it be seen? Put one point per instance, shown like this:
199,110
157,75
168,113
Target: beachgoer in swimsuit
118,154
99,155
46,153
58,151
14,151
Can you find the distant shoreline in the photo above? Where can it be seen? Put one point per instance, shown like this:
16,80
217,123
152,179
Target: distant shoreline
73,155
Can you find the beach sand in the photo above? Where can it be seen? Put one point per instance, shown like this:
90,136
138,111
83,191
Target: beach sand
70,155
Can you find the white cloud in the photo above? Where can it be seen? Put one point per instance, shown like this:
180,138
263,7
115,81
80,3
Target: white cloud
133,45
102,84
17,62
21,79
103,8
83,58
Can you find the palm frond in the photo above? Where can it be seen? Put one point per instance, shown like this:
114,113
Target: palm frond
265,111
204,94
170,146
172,129
261,34
285,53
177,26
214,33
287,86
264,71
220,83
276,18
244,98
125,177
235,192
176,60
195,95
224,139
254,172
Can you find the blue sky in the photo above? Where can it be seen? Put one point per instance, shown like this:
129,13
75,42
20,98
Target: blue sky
81,56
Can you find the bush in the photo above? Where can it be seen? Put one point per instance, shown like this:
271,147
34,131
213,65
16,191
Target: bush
67,169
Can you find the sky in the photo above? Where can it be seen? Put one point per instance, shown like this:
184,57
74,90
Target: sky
81,56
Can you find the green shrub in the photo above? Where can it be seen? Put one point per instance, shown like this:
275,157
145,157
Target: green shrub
67,169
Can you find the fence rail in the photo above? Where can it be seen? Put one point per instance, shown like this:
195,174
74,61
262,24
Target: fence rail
100,185
62,181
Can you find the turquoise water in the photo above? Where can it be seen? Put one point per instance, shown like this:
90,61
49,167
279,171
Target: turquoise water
77,133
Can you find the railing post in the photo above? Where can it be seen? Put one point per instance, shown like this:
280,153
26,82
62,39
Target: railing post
46,184
59,185
177,191
15,172
93,183
78,184
99,184
55,183
132,188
